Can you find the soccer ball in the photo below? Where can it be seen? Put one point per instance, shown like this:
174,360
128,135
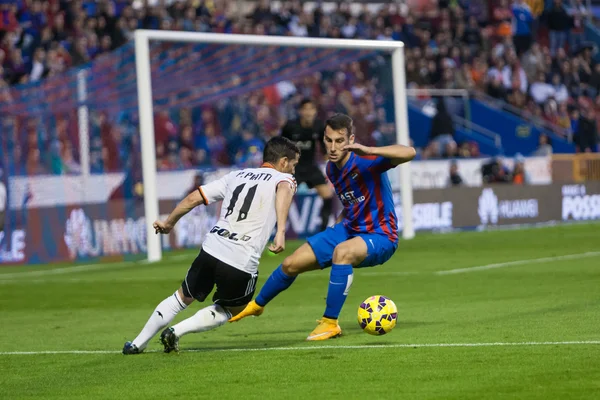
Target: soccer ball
377,315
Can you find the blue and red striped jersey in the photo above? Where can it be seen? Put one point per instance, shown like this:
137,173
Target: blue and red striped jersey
366,194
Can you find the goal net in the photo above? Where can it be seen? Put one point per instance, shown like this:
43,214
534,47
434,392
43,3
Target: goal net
232,65
122,140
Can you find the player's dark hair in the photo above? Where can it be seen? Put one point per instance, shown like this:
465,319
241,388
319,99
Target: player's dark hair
341,121
279,147
305,101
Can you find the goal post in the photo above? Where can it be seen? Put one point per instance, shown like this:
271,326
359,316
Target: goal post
142,40
403,137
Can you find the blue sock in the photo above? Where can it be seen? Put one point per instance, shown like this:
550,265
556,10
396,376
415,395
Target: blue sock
340,281
277,283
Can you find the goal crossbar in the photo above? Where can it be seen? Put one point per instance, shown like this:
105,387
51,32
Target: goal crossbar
142,39
263,40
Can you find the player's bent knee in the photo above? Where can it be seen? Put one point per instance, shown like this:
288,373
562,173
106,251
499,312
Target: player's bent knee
343,254
289,267
295,265
186,300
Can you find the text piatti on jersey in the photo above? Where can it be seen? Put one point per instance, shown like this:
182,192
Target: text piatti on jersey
251,176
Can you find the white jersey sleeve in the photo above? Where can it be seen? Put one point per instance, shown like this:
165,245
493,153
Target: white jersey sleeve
247,217
289,179
215,190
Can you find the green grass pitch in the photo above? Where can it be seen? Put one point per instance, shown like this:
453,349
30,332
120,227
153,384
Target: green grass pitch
526,325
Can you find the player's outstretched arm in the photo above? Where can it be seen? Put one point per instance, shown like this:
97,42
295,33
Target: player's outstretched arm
186,205
283,201
397,153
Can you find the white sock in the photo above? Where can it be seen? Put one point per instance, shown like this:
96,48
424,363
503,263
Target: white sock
206,319
162,315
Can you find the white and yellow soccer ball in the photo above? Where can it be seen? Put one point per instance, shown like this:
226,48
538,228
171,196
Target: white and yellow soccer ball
377,315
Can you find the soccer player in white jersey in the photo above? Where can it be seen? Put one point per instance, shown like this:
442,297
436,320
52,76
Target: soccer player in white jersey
254,201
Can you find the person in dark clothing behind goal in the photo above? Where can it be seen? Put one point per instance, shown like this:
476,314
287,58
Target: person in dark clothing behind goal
306,132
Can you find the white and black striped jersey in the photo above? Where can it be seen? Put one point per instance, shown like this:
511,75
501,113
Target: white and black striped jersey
247,216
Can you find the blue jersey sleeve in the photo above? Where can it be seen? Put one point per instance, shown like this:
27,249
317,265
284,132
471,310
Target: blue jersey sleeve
380,164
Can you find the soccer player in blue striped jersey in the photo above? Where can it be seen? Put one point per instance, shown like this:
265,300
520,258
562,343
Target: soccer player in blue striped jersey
365,233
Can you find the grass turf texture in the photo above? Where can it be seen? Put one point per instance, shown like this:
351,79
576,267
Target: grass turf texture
552,301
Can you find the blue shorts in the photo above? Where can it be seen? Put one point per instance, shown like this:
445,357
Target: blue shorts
379,247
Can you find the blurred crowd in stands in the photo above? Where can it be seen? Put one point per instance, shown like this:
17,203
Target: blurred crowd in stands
529,54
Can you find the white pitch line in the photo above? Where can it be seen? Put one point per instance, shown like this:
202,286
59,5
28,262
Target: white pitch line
62,280
10,277
349,347
67,270
85,268
65,280
520,262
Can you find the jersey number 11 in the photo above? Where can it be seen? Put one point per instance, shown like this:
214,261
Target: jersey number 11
247,202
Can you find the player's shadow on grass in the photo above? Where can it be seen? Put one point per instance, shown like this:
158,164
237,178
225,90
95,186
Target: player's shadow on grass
351,329
296,338
242,345
280,332
400,326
